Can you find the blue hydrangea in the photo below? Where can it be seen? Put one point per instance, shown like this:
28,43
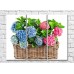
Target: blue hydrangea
23,44
21,34
13,28
14,39
38,41
31,31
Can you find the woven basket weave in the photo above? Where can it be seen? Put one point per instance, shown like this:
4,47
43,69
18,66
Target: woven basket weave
37,52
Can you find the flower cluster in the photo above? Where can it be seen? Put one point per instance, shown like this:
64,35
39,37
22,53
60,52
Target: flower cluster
35,33
13,28
21,34
14,39
57,31
44,25
38,41
31,31
51,40
23,44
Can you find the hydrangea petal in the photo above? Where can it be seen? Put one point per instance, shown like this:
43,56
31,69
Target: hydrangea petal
51,40
14,39
38,41
31,31
23,44
57,31
44,25
21,34
13,28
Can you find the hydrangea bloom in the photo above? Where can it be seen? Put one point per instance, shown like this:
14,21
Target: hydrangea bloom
31,31
38,41
13,27
44,25
14,39
51,40
57,31
21,34
23,44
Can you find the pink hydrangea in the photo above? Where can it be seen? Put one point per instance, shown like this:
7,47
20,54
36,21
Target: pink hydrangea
51,40
57,31
44,25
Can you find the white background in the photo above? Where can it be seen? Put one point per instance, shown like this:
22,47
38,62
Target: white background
37,5
62,51
37,68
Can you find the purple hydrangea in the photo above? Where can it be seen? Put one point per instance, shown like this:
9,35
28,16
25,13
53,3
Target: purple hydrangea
31,31
38,41
21,34
13,28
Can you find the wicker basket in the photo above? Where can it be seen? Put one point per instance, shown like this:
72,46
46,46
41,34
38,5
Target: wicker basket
36,53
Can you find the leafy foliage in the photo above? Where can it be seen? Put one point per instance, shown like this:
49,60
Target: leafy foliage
21,22
54,24
33,29
32,41
44,33
38,21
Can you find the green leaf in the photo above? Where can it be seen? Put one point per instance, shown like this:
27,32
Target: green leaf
21,19
38,21
18,26
18,19
56,38
31,22
21,22
52,25
49,31
60,25
31,40
33,45
44,33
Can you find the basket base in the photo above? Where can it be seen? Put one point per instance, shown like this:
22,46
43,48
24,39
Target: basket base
36,53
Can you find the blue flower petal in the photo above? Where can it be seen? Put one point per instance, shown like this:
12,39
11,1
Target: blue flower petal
38,41
23,44
31,31
13,28
14,39
21,34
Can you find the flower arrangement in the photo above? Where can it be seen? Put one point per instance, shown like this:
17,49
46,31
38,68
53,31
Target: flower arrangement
35,32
